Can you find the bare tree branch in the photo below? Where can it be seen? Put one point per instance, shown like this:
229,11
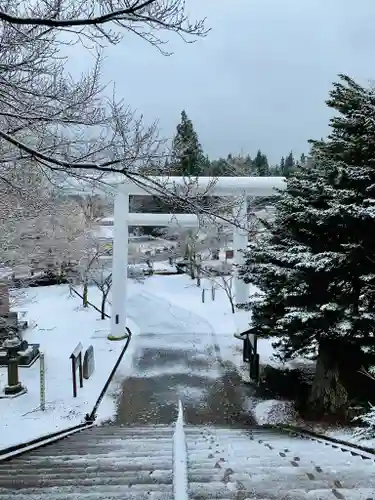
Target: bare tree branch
106,20
71,125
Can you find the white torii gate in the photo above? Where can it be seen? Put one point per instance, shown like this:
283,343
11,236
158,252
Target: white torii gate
239,187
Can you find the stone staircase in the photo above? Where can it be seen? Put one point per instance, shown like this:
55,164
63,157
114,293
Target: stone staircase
136,463
108,462
262,464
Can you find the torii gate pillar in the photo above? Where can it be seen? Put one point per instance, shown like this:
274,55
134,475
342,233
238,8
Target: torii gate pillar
120,264
240,242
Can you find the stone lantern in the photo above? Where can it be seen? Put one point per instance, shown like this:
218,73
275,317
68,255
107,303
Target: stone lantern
13,345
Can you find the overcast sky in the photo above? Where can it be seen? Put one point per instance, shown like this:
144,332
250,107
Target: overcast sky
258,80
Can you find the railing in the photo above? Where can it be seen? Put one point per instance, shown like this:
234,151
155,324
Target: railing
180,477
91,417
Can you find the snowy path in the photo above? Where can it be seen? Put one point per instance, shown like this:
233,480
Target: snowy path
177,357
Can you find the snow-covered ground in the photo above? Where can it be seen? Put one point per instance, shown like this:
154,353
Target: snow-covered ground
183,292
60,323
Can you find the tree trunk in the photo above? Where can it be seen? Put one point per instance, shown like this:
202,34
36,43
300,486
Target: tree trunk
329,396
85,294
232,305
192,270
187,253
198,277
102,308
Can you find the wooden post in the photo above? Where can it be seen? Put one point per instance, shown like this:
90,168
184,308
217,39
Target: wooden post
75,357
247,350
80,371
74,377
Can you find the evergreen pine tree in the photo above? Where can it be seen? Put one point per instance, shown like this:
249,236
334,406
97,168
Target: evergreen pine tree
282,165
248,163
260,165
206,166
187,155
289,165
316,268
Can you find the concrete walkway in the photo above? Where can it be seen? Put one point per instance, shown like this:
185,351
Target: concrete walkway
177,357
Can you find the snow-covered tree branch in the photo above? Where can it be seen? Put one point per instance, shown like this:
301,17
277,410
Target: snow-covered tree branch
105,21
72,125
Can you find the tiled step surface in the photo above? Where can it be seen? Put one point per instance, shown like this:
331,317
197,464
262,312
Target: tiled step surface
132,463
231,464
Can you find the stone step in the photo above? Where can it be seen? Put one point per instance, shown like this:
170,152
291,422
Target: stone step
219,491
159,454
44,481
319,452
65,476
112,430
323,460
129,465
209,465
100,482
141,438
260,482
86,493
200,492
305,477
131,436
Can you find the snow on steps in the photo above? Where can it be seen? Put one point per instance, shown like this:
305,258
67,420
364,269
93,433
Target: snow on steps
187,462
132,463
232,464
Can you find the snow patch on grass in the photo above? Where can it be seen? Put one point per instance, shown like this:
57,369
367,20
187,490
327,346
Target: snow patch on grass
60,324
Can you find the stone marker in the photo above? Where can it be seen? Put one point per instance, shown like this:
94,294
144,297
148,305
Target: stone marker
88,362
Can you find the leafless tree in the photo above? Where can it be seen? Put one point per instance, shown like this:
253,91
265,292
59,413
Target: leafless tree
67,125
93,208
190,243
37,225
103,280
87,266
91,251
225,283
